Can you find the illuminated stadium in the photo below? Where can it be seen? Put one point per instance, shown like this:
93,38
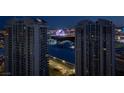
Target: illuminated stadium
60,32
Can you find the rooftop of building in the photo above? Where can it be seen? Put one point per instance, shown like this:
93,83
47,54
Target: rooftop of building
99,21
27,20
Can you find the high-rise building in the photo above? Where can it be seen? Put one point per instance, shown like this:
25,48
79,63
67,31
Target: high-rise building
94,49
26,47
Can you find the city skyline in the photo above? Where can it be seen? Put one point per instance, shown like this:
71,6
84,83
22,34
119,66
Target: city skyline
93,47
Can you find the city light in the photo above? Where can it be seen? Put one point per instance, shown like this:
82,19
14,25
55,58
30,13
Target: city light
31,46
60,32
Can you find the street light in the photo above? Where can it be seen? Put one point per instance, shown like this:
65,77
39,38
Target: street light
63,61
54,57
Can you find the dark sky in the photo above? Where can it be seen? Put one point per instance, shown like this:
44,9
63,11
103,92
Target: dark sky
68,21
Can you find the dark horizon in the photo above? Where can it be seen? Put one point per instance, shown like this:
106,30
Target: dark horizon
57,22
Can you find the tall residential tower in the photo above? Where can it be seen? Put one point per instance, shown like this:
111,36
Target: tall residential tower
26,47
95,48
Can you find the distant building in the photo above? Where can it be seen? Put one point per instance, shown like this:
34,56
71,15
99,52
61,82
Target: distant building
26,47
95,48
62,32
119,34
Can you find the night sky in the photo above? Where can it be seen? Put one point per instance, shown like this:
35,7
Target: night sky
68,21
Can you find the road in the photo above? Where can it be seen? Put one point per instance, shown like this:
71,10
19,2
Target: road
60,68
